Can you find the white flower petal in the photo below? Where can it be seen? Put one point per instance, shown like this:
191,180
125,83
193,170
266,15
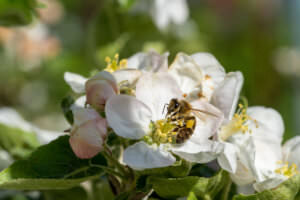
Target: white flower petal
269,121
269,183
227,94
228,158
150,62
258,155
130,75
212,70
142,156
104,76
246,158
156,90
79,103
198,152
207,123
127,116
187,73
268,153
75,81
245,189
82,115
242,176
291,151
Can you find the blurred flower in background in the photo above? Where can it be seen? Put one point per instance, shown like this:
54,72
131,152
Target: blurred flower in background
51,12
164,12
287,61
29,45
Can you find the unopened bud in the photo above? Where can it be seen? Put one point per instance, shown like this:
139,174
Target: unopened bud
100,88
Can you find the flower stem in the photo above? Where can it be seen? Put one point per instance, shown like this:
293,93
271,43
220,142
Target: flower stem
107,154
226,190
108,170
77,171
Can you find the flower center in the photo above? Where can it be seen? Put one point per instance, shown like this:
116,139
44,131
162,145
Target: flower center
114,64
286,169
237,124
161,132
126,88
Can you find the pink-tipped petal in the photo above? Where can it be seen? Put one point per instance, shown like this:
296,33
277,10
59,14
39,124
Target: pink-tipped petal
88,134
82,149
98,92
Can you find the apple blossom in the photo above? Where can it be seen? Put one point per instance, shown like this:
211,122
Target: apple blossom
199,76
88,132
142,118
283,163
257,155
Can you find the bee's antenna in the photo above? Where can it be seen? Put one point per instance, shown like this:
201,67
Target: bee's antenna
164,108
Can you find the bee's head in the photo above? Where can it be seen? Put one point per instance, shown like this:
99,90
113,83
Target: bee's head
173,105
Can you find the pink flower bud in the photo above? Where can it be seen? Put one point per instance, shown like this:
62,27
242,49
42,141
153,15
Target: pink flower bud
88,133
100,88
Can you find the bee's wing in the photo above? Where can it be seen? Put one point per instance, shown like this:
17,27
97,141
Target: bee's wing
201,114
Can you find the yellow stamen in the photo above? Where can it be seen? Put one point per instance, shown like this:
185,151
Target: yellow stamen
237,124
114,64
161,132
286,169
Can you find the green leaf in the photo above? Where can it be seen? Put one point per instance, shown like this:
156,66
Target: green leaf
66,104
182,187
180,169
192,196
285,191
17,142
123,196
76,193
52,166
126,4
102,190
16,12
201,170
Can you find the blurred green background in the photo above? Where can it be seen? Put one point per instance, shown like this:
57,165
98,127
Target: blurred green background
39,41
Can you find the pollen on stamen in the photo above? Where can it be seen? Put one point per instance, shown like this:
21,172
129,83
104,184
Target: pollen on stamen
287,169
114,64
161,132
184,95
239,123
207,77
200,95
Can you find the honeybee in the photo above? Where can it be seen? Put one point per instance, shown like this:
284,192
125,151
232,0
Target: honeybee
180,113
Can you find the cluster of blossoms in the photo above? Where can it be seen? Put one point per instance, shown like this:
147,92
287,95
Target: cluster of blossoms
186,110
